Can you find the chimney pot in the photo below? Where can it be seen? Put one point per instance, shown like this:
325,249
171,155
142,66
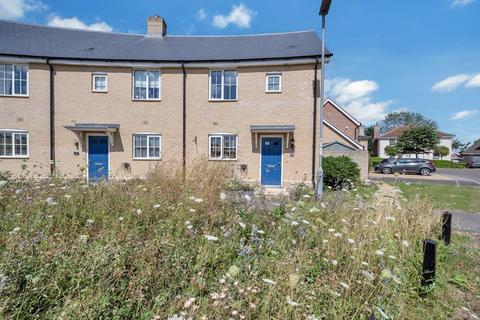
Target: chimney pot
156,26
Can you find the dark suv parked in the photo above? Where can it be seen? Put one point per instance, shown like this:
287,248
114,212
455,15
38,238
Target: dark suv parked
422,166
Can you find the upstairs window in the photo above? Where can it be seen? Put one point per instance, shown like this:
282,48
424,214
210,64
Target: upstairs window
146,85
147,146
274,82
13,80
99,82
223,147
13,144
392,142
223,85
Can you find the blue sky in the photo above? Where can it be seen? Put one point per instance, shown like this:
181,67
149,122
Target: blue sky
421,56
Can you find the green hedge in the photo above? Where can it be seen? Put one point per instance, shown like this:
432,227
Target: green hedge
373,161
448,164
340,172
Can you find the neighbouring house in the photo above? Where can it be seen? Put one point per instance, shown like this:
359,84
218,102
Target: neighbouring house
390,138
471,156
344,135
111,105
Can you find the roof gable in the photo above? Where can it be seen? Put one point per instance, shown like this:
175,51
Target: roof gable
396,132
343,111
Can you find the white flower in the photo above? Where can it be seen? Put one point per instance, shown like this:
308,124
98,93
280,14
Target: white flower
242,225
293,209
379,253
331,230
305,221
389,218
344,221
198,200
351,241
364,263
292,303
294,223
83,238
346,286
67,196
211,238
139,211
192,210
247,197
49,200
120,219
90,221
3,182
334,262
335,293
188,303
367,275
306,196
383,314
405,243
392,257
322,205
269,281
187,222
223,196
192,198
156,206
337,235
324,241
314,210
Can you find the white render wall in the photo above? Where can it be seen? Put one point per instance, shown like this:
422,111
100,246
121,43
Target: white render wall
447,142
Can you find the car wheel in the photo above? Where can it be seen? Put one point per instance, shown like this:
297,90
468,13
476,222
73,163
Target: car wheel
425,172
387,170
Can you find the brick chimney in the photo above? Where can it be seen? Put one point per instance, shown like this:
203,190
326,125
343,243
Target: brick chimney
156,26
376,132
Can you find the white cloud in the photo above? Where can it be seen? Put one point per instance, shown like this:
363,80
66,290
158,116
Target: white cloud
463,114
450,83
16,9
461,3
241,16
355,97
201,14
473,82
76,23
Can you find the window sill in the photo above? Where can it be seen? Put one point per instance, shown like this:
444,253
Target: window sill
222,100
273,91
98,91
229,160
14,95
147,159
147,100
14,157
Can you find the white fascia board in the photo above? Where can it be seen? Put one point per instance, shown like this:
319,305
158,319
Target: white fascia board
349,116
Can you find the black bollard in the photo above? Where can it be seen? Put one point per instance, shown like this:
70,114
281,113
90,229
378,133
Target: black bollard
429,260
446,227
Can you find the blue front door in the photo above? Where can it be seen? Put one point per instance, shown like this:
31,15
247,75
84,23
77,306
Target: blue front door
271,161
97,158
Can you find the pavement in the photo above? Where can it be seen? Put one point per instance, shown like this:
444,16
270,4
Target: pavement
459,177
468,222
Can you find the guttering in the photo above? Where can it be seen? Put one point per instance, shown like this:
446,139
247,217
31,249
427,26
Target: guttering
314,136
52,118
184,119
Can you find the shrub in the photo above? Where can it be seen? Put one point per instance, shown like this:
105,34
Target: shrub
448,164
391,151
340,172
373,161
441,151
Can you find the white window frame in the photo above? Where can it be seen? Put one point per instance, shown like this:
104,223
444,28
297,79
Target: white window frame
13,80
148,135
271,74
222,98
99,74
222,136
159,85
15,132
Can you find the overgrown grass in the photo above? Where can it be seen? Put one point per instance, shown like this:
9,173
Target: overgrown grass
158,248
449,197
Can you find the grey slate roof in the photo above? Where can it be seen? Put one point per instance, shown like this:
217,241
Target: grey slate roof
51,42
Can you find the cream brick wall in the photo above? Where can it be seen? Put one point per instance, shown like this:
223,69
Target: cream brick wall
30,113
76,103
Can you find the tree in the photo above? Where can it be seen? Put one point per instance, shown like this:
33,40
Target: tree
459,146
404,118
441,151
369,133
391,151
419,139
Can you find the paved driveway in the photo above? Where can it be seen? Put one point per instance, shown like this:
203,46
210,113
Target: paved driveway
469,222
472,175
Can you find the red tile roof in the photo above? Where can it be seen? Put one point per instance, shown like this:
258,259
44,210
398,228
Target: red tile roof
396,132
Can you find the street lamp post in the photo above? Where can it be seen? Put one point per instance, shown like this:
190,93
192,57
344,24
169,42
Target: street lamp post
324,7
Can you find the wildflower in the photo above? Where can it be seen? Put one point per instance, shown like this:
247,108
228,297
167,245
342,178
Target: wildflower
176,317
351,241
331,230
247,197
292,303
192,198
192,210
187,222
188,303
120,219
234,271
189,227
334,262
15,230
198,200
269,281
389,218
367,275
293,209
83,238
306,196
324,241
335,293
305,221
337,235
383,314
344,285
344,221
364,263
405,243
294,223
314,210
211,238
139,211
3,182
379,253
242,225
156,206
223,196
67,196
322,205
392,257
90,221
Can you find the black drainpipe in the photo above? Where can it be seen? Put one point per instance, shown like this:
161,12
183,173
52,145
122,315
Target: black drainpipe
314,137
52,118
184,126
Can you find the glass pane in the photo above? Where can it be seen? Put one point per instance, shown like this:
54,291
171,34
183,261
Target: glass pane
229,147
216,85
215,147
153,84
100,83
140,84
230,85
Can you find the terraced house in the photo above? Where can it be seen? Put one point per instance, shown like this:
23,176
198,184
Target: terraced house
107,105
